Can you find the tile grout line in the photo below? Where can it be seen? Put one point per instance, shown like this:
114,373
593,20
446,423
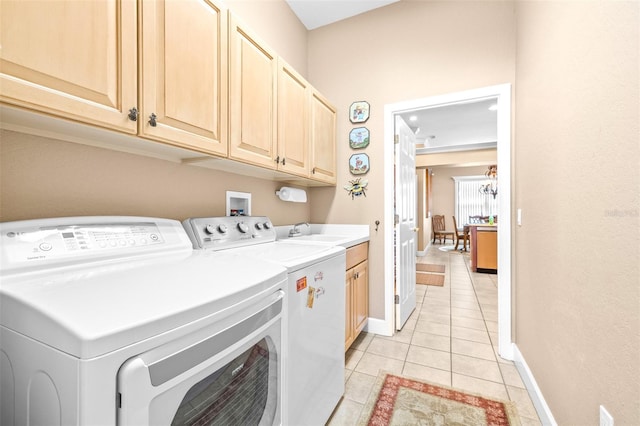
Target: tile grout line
450,323
473,285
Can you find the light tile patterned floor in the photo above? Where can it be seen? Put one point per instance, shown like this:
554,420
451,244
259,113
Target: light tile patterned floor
451,338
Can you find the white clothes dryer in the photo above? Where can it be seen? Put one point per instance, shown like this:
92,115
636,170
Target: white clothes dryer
116,320
314,314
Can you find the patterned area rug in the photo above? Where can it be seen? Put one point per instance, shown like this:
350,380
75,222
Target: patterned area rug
429,279
397,400
430,267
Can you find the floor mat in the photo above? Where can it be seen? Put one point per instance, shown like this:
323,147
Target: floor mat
429,267
396,400
429,279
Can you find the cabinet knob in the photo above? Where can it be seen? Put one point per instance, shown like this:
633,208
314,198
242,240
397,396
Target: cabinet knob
356,275
133,114
313,171
152,120
277,159
283,161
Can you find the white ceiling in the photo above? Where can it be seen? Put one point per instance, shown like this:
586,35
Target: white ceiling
469,125
317,13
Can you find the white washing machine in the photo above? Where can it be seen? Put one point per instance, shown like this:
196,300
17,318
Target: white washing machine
314,313
116,320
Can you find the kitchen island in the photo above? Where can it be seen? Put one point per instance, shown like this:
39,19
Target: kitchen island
484,247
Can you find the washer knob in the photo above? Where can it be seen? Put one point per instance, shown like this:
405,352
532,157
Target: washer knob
243,227
259,226
267,225
210,229
222,228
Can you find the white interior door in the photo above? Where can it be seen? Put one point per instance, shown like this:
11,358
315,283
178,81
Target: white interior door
406,235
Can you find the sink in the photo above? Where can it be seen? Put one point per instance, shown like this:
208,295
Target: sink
319,237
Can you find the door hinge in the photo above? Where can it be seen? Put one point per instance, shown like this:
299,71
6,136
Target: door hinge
397,299
119,400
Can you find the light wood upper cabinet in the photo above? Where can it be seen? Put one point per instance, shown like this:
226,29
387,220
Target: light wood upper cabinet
253,73
77,61
293,121
184,74
323,139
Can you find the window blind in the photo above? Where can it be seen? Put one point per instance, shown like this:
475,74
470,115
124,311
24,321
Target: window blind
470,202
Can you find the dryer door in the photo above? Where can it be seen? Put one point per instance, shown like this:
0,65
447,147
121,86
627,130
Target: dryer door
229,373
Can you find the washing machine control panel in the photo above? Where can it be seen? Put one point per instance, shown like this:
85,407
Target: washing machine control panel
218,233
63,240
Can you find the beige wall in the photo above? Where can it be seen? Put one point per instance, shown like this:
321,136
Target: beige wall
46,178
477,157
421,215
577,162
43,177
408,50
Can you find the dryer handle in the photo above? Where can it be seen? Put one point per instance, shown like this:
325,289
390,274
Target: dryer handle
172,366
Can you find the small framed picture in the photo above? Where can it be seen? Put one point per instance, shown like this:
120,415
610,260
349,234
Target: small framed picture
359,138
359,112
359,164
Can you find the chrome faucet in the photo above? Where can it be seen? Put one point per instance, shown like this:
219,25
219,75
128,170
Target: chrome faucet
295,232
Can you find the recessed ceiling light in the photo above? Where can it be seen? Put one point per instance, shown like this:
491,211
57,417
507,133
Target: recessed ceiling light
493,107
413,118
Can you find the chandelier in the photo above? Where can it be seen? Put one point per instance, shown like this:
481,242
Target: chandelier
491,187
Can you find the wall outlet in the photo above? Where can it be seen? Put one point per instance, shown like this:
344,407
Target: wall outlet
606,419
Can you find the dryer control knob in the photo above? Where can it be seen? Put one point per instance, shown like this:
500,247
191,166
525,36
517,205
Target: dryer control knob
243,227
267,225
259,226
222,228
210,229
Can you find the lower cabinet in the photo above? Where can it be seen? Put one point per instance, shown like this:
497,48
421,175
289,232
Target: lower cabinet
357,292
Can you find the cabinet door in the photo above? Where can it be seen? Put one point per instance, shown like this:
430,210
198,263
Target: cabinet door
360,296
293,119
487,250
323,139
75,60
253,71
349,335
184,74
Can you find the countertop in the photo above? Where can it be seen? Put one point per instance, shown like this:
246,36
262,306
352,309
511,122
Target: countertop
343,235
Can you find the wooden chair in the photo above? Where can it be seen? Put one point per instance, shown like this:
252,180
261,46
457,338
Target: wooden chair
439,229
459,233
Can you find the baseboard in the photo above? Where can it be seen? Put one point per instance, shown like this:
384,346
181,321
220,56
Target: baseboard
378,326
544,412
423,252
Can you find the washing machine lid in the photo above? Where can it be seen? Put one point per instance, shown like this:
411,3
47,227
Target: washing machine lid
292,256
92,312
62,286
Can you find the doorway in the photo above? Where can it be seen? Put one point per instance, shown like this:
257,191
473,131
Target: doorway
502,95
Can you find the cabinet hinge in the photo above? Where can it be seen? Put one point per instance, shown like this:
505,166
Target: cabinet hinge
397,299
